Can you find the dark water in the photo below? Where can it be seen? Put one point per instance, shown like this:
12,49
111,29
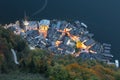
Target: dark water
102,16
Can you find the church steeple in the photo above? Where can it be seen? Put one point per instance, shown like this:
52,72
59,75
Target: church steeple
26,23
25,16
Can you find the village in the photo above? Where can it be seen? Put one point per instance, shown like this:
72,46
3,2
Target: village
62,37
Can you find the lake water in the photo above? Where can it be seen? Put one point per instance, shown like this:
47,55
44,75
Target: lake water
102,16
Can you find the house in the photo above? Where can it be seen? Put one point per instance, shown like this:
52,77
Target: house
43,27
31,25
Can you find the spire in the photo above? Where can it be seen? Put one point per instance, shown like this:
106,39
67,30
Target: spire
25,22
25,16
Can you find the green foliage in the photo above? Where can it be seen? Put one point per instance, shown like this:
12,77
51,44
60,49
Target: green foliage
117,75
7,41
59,67
58,72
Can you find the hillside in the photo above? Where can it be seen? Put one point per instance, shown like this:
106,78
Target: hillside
46,65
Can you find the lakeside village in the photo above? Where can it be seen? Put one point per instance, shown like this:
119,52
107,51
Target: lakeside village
62,37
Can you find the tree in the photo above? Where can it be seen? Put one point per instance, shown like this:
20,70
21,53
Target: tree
58,72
